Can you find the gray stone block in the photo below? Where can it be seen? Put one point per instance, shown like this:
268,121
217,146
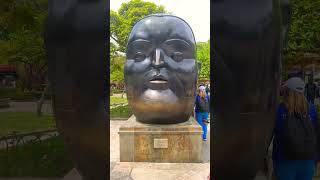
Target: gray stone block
176,143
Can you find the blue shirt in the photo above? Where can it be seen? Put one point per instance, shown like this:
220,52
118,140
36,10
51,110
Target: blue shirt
198,100
282,113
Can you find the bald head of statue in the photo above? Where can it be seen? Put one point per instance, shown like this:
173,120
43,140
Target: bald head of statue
161,70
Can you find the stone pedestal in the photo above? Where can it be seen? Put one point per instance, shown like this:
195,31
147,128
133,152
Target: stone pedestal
175,143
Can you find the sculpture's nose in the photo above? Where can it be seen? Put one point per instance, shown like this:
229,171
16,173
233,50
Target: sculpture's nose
157,60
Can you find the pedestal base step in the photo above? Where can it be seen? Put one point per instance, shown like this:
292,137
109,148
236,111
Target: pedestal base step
175,143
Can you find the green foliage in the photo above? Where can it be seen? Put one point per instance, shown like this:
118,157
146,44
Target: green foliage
121,112
17,15
116,68
46,159
121,22
117,100
203,55
24,122
25,49
304,33
21,39
18,95
113,50
116,91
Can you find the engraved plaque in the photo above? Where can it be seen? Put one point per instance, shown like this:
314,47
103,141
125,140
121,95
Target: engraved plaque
160,143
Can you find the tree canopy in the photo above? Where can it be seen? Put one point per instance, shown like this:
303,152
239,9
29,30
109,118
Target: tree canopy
121,22
21,39
203,55
304,32
22,26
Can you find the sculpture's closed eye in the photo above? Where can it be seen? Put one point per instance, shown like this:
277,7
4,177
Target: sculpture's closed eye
177,56
139,56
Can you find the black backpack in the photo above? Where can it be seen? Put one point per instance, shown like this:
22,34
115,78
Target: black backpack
299,138
203,104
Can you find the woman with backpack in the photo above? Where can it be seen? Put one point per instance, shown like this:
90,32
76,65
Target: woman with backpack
202,110
295,137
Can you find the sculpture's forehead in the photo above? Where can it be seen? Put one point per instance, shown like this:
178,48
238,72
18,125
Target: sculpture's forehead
158,29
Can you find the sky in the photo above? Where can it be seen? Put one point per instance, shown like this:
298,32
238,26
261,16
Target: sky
195,12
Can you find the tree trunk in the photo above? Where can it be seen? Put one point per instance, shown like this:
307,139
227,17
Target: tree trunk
123,92
41,100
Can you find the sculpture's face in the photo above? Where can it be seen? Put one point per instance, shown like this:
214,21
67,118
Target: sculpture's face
161,72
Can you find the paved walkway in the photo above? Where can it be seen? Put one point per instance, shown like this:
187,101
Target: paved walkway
28,107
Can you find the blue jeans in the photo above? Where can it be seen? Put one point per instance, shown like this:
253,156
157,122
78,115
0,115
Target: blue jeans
294,169
200,116
310,100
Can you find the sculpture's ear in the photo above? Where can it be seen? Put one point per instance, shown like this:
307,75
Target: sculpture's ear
77,53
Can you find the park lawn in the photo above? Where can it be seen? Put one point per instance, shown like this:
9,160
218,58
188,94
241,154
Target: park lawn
121,112
118,100
41,159
24,122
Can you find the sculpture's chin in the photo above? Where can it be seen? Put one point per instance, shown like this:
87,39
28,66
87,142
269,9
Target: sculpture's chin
152,117
161,107
160,97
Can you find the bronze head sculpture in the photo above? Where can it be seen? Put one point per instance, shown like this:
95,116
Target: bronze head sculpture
160,71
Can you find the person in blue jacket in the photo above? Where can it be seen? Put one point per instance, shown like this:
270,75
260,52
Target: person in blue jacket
293,101
202,110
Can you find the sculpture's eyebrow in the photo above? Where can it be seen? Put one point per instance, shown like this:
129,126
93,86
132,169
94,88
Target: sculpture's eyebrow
180,41
143,41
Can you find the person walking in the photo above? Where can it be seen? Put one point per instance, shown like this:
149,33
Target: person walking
295,134
311,90
202,110
207,89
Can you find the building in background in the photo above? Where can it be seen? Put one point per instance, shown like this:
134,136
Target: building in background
8,76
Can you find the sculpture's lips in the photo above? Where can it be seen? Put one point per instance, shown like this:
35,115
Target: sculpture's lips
158,81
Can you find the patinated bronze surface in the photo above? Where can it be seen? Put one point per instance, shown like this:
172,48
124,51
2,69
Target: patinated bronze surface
160,71
247,41
76,45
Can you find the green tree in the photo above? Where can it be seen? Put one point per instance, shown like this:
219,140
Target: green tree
25,50
304,33
21,39
121,23
116,69
203,55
